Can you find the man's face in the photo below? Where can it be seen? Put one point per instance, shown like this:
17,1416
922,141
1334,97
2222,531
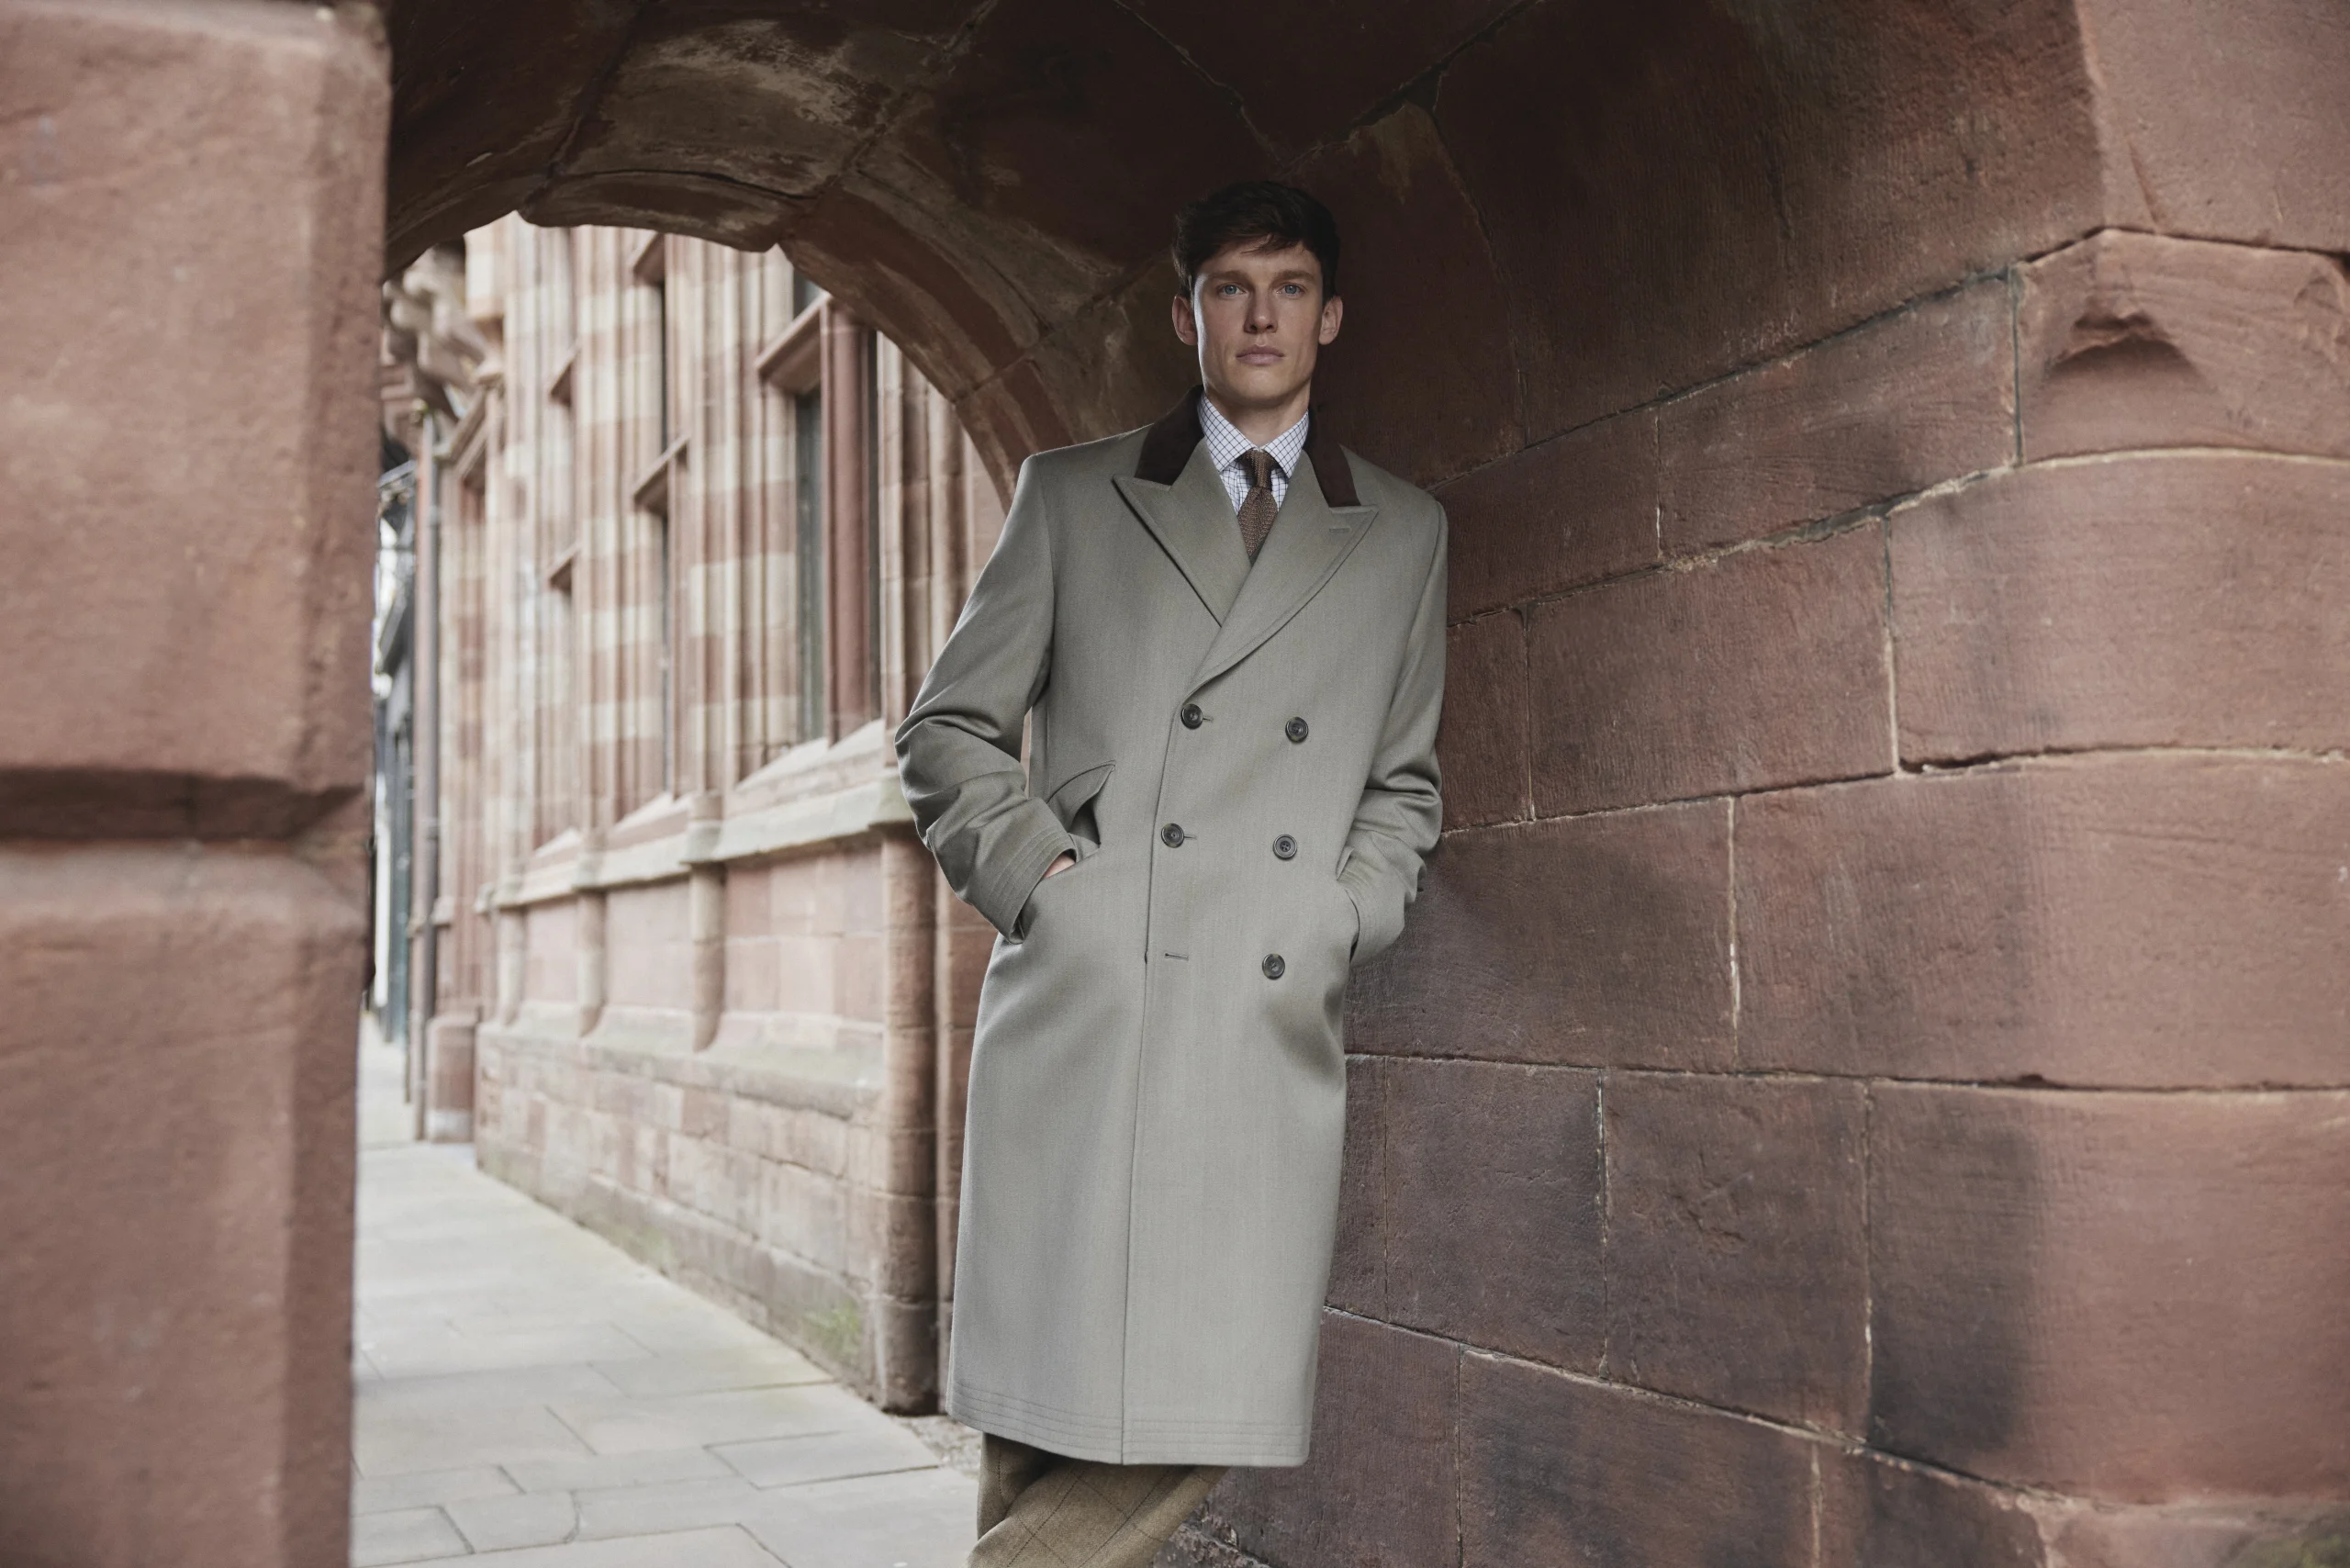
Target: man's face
1259,319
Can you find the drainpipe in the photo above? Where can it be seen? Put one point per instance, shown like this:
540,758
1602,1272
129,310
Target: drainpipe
949,572
425,865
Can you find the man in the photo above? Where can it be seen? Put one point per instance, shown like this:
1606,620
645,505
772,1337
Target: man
1226,636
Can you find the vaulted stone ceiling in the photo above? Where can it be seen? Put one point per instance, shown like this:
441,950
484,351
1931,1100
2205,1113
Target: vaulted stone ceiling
1554,209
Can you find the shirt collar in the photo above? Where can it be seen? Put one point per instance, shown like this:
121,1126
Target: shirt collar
1227,445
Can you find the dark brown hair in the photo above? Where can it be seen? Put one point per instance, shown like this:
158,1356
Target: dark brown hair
1275,216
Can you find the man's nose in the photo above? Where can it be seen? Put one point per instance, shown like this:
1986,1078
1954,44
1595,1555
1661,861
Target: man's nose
1260,313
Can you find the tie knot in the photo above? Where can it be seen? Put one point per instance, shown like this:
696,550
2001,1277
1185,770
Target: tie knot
1260,467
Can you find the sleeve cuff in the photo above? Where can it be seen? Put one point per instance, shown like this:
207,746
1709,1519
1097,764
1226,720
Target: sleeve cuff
1002,892
1379,920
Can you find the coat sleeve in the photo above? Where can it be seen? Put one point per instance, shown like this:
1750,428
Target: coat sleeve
958,751
1401,811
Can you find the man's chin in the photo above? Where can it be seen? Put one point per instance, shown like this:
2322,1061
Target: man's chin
1267,388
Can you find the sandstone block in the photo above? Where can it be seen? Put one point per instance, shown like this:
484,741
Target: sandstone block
1480,1221
1924,395
1660,225
1556,1469
1378,1491
1481,746
2133,339
175,1099
1570,511
184,619
1074,206
1763,668
2126,1297
1737,1250
2213,1536
1355,67
2172,600
1357,1259
1876,1511
1596,941
2153,921
2225,123
1394,181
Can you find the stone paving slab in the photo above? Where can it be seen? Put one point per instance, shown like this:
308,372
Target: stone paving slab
527,1395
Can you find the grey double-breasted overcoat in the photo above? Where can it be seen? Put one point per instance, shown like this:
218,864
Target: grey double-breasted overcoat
1243,759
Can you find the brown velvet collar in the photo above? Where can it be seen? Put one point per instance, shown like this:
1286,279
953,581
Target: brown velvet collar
1169,444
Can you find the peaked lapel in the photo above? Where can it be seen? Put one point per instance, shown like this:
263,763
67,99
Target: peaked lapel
1311,539
1193,521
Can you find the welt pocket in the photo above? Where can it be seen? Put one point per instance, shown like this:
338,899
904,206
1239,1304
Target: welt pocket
1069,798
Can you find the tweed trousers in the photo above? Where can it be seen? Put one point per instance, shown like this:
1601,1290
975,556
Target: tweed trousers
1042,1510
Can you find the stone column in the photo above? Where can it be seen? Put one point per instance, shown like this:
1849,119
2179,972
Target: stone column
706,914
591,952
904,1313
449,1075
848,521
190,201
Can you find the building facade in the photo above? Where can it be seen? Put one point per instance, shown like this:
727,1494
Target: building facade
688,533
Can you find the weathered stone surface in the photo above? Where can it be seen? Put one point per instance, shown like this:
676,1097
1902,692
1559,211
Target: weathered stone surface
175,1084
2225,123
770,103
1571,511
1357,1259
2154,921
1764,669
2140,341
1601,940
504,141
887,259
1405,208
1873,1511
1922,396
183,616
1715,190
1555,1469
2174,600
1041,140
2208,1537
1359,58
2129,1297
1481,746
1737,1252
1479,1213
1378,1491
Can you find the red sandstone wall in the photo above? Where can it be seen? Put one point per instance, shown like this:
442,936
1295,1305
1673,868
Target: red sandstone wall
1866,1079
189,232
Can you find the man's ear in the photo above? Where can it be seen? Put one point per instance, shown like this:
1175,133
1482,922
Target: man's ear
1187,326
1334,310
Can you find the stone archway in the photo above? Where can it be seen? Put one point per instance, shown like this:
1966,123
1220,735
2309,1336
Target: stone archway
1882,997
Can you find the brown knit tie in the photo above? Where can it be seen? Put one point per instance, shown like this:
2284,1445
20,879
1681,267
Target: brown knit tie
1259,510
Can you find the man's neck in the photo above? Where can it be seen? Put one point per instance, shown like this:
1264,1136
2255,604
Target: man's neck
1264,425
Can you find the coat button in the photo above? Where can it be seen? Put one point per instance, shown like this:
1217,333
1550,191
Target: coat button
1274,967
1296,730
1285,847
1171,835
1191,715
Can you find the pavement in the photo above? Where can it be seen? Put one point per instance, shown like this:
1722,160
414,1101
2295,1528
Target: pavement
529,1396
